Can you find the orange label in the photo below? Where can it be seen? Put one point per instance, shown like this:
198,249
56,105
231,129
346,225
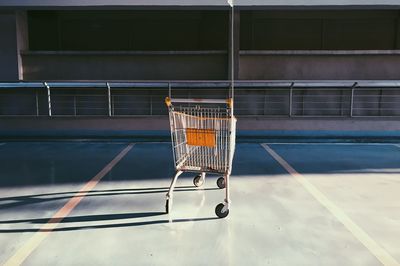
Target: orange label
200,137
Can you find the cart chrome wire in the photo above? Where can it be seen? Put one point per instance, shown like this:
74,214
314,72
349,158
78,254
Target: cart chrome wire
203,141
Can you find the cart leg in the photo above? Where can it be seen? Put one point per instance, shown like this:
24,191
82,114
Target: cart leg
168,204
227,200
222,209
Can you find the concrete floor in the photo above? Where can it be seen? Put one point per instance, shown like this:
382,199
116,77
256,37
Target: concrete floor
274,220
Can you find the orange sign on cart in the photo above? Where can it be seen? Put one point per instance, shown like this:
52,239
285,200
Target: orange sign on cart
200,137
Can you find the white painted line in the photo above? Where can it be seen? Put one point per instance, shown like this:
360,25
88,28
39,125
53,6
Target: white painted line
23,252
1,144
379,252
397,145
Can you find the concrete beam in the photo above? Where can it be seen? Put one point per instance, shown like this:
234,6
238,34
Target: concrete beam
199,3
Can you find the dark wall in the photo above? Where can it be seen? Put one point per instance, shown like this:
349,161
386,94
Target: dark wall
8,46
128,30
127,45
320,30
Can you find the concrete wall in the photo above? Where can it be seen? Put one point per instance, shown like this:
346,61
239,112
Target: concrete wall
125,66
159,126
8,46
302,66
204,65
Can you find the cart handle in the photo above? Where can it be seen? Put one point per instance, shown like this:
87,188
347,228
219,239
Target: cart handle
169,101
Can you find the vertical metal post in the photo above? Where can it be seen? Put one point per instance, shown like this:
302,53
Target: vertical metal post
151,102
265,102
75,105
341,102
352,99
232,54
291,99
48,97
37,102
109,99
380,102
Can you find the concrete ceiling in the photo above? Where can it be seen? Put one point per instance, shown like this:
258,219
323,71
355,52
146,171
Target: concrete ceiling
199,3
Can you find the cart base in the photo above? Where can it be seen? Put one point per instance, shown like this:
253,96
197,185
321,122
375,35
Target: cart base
221,210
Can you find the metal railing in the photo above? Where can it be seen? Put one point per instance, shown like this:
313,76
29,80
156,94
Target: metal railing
252,98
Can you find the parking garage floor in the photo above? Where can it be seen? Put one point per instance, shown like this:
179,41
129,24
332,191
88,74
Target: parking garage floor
103,203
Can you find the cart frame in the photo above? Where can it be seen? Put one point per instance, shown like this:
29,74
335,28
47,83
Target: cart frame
203,142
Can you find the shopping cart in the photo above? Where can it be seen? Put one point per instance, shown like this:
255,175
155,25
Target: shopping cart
203,141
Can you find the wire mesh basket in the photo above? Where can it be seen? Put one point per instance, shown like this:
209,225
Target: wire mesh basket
203,141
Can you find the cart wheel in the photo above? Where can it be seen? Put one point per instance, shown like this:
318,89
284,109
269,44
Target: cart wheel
221,182
198,181
167,206
218,211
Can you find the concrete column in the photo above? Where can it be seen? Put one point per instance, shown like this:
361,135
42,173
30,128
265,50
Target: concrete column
22,39
8,47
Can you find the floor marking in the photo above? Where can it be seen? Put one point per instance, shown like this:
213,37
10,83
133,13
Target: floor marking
1,144
380,253
397,145
19,257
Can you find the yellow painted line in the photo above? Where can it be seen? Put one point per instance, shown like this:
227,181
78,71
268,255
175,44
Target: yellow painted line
19,257
379,252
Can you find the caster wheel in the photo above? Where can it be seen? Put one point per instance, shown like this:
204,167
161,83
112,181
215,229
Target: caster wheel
218,211
221,182
198,181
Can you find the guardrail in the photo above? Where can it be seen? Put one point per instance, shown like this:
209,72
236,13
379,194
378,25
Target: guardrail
252,98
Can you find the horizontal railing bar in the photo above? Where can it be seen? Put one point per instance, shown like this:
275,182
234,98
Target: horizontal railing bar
309,102
238,115
11,85
317,109
199,84
378,108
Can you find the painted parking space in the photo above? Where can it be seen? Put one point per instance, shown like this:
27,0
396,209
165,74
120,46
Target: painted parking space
361,180
273,219
37,179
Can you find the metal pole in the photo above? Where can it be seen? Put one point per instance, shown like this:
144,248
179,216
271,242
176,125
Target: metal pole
151,102
352,99
37,103
109,99
291,99
75,104
232,55
48,97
